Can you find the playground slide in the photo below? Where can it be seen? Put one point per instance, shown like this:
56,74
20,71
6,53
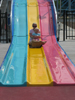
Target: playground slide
48,65
13,68
37,67
62,70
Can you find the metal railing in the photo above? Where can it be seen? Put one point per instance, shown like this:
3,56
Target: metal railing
68,25
5,31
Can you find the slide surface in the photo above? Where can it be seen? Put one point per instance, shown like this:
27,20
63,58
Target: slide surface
13,68
48,65
62,70
37,67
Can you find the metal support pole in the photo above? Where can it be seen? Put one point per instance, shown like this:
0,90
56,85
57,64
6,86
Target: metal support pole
64,26
69,5
6,29
60,7
57,20
59,30
72,25
0,25
57,11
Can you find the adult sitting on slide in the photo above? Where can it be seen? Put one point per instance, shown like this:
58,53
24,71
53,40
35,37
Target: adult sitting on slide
35,36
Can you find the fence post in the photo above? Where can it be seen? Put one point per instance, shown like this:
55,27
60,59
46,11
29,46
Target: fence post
0,25
64,26
6,28
72,25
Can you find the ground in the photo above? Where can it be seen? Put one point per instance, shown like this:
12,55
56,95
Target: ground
41,92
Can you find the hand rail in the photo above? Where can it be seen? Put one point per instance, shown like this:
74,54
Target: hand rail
55,13
11,15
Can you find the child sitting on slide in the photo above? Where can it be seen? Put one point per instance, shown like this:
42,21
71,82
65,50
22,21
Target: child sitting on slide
37,33
36,42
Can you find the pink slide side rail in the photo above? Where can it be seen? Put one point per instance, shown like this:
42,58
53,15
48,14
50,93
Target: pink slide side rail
61,68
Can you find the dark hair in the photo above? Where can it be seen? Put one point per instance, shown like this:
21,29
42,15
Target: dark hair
34,24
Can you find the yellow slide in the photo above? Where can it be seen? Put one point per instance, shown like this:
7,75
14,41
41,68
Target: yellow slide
37,68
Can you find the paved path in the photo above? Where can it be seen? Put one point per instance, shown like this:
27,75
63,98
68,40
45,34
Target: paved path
38,93
3,51
69,47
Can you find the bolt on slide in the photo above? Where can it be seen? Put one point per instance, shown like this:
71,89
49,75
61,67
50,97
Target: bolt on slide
24,66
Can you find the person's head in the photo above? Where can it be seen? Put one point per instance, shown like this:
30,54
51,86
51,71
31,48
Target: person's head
36,30
34,25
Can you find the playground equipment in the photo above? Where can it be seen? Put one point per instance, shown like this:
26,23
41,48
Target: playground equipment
65,5
24,66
